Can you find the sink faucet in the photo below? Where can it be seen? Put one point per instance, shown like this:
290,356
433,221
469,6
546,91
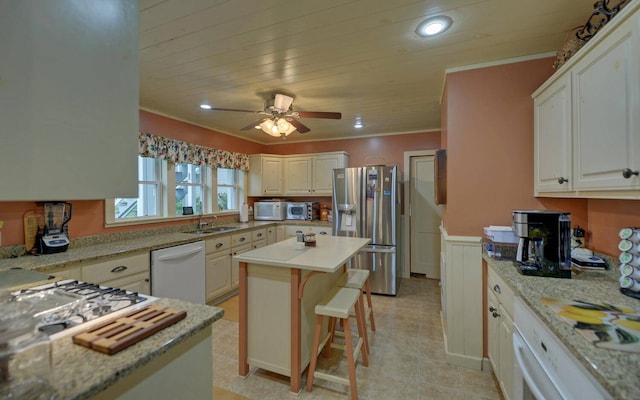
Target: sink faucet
205,224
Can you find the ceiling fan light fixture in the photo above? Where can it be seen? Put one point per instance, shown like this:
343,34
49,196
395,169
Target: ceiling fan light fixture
434,26
278,127
205,106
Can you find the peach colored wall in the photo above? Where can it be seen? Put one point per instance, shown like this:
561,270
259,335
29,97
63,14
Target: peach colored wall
88,215
387,150
606,218
487,128
489,139
167,127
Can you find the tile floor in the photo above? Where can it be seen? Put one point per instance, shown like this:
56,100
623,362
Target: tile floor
406,360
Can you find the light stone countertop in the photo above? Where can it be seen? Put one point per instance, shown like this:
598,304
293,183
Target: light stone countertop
617,371
329,254
80,373
127,244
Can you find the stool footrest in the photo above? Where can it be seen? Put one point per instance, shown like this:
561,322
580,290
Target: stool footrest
331,378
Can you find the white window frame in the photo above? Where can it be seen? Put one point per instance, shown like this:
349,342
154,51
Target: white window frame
167,198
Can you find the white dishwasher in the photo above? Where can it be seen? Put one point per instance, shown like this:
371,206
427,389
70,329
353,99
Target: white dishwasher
178,272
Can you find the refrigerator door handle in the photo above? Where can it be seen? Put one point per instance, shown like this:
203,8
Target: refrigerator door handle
379,250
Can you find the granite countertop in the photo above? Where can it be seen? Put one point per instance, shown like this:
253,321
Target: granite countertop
617,371
128,244
81,373
329,254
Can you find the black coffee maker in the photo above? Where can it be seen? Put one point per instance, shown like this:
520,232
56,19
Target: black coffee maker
544,248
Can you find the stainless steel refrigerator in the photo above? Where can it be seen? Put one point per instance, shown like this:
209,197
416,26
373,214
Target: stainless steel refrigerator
365,204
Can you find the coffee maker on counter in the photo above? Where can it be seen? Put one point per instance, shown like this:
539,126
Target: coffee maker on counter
544,248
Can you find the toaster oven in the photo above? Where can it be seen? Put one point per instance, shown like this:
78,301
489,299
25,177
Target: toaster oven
303,210
270,210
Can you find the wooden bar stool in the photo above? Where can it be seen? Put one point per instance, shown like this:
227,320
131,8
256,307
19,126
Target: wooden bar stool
339,304
359,279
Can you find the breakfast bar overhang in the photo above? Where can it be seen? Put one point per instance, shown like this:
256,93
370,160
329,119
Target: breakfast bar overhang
279,288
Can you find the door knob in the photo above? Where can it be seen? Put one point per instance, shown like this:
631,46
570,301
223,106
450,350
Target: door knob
562,180
628,173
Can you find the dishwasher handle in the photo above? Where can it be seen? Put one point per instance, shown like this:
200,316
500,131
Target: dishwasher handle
185,254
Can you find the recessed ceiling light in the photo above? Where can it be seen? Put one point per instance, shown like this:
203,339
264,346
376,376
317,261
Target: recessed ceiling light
433,26
205,106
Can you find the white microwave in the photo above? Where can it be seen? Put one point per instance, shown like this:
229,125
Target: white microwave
270,210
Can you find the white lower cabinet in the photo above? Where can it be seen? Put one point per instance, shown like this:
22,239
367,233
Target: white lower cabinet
128,272
500,332
217,274
272,235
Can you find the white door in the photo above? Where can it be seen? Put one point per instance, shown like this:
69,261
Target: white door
424,218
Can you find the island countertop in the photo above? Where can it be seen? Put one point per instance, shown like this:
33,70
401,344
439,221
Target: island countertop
329,254
617,371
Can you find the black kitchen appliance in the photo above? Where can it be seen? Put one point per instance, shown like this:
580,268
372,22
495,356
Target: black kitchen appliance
544,248
53,237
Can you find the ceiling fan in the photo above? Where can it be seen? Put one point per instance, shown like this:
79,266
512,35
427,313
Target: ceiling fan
280,118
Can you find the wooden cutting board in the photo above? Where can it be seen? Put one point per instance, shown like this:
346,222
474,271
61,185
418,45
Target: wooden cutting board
116,335
32,219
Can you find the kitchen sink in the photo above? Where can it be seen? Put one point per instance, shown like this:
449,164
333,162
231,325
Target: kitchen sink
214,230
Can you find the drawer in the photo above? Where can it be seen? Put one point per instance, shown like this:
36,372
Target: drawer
217,243
115,268
259,243
291,230
503,293
259,234
241,249
240,238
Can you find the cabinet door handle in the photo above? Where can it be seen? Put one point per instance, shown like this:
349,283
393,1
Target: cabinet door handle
562,180
119,268
147,280
259,235
242,239
492,309
497,289
628,173
323,233
495,314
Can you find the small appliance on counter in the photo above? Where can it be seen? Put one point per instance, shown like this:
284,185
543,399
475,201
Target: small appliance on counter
53,237
544,247
270,210
303,210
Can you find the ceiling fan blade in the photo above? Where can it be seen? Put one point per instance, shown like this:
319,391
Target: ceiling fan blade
234,109
254,124
319,114
300,127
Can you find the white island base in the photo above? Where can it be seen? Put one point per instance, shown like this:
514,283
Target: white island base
279,289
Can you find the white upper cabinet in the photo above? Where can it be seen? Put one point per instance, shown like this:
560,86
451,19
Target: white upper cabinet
298,174
311,175
265,175
606,84
323,166
69,99
587,118
552,149
294,175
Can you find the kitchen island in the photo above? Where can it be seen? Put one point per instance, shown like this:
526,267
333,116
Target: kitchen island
146,369
616,371
279,288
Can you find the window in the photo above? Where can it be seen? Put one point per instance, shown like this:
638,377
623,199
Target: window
149,192
164,188
229,189
190,188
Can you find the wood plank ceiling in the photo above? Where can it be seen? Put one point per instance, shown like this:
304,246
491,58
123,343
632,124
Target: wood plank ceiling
357,57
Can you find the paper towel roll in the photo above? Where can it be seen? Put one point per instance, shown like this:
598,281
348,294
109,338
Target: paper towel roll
244,213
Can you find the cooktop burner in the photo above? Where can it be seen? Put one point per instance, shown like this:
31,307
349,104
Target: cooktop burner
98,301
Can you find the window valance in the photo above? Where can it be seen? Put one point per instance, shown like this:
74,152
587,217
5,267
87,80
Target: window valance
150,145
